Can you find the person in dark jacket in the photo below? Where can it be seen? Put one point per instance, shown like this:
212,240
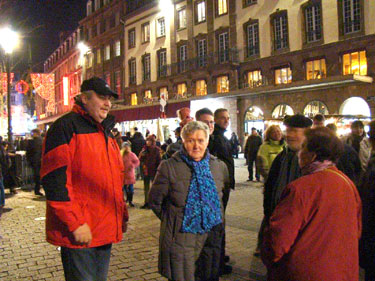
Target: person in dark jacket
137,141
150,160
367,242
235,143
4,165
253,142
185,196
221,147
284,168
349,162
34,158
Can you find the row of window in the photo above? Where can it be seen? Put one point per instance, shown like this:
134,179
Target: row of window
116,52
352,63
222,86
90,8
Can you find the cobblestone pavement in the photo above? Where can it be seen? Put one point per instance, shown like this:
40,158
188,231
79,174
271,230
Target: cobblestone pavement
24,254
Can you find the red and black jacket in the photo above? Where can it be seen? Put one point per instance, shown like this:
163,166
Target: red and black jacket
82,175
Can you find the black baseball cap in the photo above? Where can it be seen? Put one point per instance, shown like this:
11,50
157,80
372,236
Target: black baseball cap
99,86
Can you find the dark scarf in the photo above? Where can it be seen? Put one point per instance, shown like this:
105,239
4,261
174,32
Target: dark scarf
203,207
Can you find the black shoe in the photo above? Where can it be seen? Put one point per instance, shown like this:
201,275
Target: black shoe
145,206
226,269
226,259
39,193
131,204
249,180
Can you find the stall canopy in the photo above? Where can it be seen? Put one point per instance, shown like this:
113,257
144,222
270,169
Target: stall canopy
148,112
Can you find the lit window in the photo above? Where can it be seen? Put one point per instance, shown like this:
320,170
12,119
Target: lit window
351,16
252,39
89,8
182,18
201,11
160,27
148,94
133,99
131,38
146,32
223,47
254,78
355,63
280,32
222,84
181,89
117,48
90,59
222,7
283,76
163,90
98,56
201,88
316,69
97,4
107,52
313,23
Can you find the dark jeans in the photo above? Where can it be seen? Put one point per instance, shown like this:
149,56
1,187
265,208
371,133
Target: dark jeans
146,184
36,172
88,264
369,274
250,163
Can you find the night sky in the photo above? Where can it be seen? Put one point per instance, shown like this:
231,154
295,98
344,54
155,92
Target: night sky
39,22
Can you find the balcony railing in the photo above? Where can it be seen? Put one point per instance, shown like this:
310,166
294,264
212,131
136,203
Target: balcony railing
255,83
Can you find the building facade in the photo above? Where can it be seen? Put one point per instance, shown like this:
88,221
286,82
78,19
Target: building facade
262,59
65,65
103,34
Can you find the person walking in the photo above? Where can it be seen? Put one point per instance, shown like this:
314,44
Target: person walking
186,197
367,146
150,160
138,142
34,157
235,144
253,143
4,165
131,162
314,230
82,175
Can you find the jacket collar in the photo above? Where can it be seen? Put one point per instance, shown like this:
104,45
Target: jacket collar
219,130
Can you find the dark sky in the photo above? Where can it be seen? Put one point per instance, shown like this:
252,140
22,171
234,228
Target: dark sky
39,22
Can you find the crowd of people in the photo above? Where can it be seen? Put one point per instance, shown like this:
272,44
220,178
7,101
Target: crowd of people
319,216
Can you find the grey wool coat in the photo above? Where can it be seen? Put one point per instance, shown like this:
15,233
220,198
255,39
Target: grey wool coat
179,251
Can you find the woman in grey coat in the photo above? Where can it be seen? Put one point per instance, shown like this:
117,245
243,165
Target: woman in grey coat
186,196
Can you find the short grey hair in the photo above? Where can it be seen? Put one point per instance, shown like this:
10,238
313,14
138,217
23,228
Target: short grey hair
193,126
88,94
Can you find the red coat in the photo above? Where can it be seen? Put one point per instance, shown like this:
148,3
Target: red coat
131,162
314,231
82,175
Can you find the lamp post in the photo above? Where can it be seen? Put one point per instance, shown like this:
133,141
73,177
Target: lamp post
8,40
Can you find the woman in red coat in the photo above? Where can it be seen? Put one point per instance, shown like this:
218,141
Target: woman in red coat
314,231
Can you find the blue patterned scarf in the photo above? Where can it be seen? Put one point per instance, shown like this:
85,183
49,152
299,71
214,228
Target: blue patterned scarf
203,207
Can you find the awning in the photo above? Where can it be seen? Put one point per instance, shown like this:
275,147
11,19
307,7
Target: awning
148,112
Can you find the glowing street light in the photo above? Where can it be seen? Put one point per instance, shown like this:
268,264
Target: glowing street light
9,40
83,50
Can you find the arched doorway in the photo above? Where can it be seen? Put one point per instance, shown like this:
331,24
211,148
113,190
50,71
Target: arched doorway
281,110
315,107
254,118
355,106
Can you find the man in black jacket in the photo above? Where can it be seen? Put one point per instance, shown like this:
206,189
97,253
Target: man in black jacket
221,147
34,157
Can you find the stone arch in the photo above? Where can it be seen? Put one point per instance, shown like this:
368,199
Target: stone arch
355,106
281,110
315,107
254,117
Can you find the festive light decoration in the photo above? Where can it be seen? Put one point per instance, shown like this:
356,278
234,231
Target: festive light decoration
22,87
3,81
44,85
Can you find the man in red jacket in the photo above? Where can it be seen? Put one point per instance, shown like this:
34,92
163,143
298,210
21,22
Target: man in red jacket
82,177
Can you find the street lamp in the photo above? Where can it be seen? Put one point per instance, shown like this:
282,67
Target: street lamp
9,41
